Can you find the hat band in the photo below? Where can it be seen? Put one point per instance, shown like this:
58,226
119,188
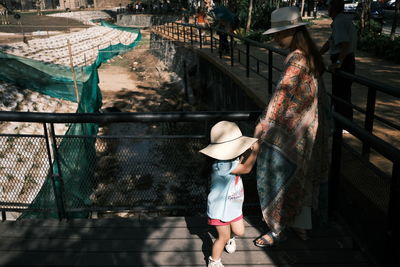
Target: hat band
218,143
275,24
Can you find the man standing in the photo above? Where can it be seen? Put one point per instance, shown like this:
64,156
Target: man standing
341,46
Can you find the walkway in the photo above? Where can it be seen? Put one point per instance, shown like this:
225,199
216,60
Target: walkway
161,241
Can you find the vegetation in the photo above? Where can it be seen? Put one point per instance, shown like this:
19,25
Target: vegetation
371,40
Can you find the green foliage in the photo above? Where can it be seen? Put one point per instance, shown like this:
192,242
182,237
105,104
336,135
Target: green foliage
261,13
371,40
258,36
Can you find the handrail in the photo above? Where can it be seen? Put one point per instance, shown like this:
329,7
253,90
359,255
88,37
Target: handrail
359,79
125,116
381,146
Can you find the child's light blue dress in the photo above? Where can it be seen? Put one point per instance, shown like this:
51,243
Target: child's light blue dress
225,200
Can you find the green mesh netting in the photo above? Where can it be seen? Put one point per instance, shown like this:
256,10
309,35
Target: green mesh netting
74,154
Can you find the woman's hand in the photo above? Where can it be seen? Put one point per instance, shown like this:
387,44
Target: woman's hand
256,146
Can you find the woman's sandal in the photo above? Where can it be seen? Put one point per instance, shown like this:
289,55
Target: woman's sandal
273,240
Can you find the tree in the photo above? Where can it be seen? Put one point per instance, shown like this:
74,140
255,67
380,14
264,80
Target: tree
395,20
365,13
248,25
302,7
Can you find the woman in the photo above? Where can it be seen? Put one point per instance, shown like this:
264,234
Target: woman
294,132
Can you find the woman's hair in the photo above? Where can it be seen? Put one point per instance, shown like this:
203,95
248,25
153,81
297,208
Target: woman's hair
302,41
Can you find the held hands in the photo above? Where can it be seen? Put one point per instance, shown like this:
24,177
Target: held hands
256,146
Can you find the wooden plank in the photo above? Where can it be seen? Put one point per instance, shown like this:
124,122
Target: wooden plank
123,232
194,224
196,244
247,258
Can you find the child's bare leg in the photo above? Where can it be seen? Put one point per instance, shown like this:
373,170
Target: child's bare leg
224,233
238,228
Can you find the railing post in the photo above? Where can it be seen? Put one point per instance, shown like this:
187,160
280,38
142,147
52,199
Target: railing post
270,56
335,168
184,34
185,82
211,40
177,30
392,229
369,117
55,171
200,39
247,59
220,46
191,35
231,46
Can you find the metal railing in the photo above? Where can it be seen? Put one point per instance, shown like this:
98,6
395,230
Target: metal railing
205,37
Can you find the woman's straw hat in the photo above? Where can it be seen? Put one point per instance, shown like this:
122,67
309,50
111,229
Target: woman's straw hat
285,18
227,141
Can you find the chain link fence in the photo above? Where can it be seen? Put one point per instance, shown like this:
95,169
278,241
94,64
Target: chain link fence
134,167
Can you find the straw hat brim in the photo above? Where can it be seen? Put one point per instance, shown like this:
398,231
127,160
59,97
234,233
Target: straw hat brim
229,150
282,28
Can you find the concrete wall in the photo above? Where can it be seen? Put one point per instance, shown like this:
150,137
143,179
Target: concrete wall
142,20
111,3
73,4
207,82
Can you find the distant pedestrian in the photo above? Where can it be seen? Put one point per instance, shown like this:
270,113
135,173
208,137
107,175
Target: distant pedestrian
223,27
234,154
200,17
341,45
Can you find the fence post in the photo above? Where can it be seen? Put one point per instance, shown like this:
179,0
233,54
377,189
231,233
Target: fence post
191,35
200,39
55,176
392,231
177,30
211,40
185,80
184,34
369,118
335,168
231,37
247,59
270,71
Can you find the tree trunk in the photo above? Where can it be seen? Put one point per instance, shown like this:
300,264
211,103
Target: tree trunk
395,20
248,25
302,7
365,14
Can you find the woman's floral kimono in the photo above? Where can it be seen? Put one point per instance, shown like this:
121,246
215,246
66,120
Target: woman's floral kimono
294,156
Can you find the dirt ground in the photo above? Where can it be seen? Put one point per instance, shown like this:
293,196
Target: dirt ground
138,81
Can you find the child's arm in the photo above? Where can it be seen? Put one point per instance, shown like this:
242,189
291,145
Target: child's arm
248,160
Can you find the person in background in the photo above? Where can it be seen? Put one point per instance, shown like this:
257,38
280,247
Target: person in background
200,17
341,45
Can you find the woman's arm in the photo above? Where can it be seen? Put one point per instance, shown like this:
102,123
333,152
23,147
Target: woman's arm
248,160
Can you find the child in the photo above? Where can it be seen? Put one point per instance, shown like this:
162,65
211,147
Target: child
225,200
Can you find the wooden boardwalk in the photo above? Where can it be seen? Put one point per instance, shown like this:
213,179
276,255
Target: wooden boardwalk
162,241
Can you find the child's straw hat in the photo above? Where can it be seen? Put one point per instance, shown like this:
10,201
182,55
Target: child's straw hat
227,141
285,18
